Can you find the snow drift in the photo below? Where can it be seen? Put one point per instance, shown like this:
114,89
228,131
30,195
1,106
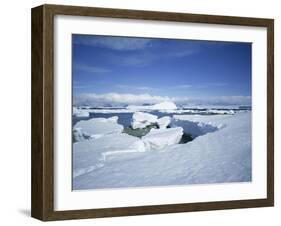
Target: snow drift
91,154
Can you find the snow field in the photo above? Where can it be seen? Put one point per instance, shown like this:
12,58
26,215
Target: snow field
91,154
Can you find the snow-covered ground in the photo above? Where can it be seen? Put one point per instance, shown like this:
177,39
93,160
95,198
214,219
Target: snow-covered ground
220,152
93,154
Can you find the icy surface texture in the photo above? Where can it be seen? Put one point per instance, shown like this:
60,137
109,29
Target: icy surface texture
164,122
80,112
221,156
98,127
158,139
91,154
141,120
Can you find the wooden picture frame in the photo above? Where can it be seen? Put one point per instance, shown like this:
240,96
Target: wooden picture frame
42,204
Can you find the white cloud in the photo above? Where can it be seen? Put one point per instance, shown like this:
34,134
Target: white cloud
91,69
215,84
185,86
181,52
204,85
115,43
140,88
154,50
119,99
151,56
217,100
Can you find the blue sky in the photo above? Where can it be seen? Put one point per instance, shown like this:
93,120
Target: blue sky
144,70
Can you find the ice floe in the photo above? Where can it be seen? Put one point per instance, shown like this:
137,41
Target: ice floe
97,127
164,105
78,135
164,122
142,119
158,139
91,154
80,112
167,105
201,111
220,153
223,112
180,111
111,111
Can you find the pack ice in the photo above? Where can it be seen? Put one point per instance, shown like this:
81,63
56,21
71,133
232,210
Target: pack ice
158,139
80,113
220,153
97,127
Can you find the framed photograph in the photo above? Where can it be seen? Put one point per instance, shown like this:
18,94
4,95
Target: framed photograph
142,112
